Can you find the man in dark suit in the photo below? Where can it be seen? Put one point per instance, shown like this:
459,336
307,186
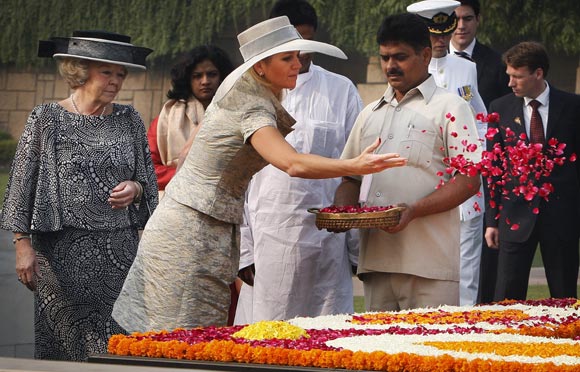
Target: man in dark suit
492,83
491,78
540,112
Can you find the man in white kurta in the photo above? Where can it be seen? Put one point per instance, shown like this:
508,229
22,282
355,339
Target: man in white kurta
300,270
458,75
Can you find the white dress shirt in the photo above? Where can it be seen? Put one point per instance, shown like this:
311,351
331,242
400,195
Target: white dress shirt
544,99
468,50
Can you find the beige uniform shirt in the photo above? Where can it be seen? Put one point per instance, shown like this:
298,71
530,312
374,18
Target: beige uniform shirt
418,129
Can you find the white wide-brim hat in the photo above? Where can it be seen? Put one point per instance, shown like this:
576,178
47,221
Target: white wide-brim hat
96,45
267,38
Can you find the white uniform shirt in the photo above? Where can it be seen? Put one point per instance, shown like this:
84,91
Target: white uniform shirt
300,270
459,76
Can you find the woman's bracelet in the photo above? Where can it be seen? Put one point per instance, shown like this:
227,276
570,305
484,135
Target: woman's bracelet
20,237
139,194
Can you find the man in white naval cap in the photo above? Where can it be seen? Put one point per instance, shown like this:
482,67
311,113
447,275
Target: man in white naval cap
458,75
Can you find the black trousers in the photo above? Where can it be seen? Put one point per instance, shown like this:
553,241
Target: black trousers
487,273
561,258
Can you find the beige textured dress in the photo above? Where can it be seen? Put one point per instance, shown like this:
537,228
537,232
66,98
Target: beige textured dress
189,251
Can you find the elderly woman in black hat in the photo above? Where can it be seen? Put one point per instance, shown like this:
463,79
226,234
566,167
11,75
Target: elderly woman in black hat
188,254
81,185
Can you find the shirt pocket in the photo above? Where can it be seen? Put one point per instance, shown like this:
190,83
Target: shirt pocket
418,146
324,138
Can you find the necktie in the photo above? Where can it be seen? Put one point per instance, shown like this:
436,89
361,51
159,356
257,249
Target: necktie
464,55
536,126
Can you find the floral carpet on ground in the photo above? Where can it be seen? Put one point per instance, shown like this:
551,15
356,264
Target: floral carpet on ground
535,335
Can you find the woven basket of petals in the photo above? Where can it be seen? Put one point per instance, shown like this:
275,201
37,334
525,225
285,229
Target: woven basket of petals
352,217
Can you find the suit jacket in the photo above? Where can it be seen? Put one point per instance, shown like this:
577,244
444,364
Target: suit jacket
561,212
492,80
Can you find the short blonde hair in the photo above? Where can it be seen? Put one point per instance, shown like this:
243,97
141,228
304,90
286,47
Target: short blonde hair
262,80
75,71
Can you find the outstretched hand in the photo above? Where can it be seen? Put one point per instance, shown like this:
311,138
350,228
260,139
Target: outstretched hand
368,162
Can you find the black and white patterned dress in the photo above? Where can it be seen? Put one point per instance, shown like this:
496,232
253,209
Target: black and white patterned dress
63,172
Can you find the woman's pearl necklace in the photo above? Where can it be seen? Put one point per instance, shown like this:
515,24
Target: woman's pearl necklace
72,99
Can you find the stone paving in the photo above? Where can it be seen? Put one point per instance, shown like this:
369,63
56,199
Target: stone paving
16,309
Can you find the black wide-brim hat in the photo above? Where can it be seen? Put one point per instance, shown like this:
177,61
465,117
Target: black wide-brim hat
101,46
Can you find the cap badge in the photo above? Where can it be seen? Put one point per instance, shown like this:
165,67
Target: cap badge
440,18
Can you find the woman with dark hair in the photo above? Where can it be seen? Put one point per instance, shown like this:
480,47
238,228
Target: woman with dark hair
194,81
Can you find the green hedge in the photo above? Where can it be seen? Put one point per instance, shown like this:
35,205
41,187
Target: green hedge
171,27
7,150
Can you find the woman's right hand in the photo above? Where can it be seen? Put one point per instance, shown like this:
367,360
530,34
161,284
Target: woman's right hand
368,162
27,267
